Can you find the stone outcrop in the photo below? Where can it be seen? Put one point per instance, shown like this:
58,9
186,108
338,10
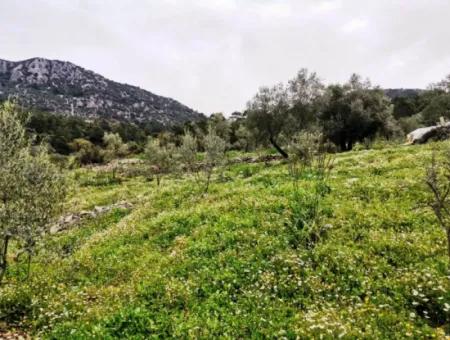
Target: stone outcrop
67,221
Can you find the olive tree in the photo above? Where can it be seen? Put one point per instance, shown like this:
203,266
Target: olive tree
243,139
437,108
443,85
188,151
214,154
162,158
355,111
31,188
221,125
115,147
267,114
305,92
282,111
438,181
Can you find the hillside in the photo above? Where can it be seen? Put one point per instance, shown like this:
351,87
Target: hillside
62,87
402,93
180,264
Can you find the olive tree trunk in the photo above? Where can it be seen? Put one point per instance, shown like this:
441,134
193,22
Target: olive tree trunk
278,148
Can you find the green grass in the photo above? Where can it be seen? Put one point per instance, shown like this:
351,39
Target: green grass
181,264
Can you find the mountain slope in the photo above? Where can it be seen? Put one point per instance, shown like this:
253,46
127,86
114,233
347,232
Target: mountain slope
62,87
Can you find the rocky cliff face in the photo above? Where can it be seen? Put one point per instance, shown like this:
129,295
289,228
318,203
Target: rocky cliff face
62,87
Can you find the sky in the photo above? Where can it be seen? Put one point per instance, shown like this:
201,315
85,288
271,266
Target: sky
213,55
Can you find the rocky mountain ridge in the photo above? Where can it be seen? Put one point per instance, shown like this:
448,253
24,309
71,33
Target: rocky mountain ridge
65,88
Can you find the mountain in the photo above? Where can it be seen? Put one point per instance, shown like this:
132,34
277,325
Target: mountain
402,93
62,87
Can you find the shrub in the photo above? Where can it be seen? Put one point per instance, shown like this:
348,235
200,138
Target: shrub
15,303
115,147
86,152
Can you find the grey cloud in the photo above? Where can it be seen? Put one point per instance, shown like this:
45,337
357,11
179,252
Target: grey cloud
214,54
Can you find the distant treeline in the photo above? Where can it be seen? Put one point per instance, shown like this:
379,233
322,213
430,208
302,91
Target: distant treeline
60,131
342,114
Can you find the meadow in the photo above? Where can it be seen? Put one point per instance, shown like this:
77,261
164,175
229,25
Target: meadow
184,264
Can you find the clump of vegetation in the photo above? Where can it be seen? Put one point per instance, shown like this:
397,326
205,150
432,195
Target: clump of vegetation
31,189
309,162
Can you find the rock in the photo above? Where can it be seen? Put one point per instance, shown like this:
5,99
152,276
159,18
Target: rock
100,210
68,219
417,136
85,214
55,229
423,135
71,219
124,205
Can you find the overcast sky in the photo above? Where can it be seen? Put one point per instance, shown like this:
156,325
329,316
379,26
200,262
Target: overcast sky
212,55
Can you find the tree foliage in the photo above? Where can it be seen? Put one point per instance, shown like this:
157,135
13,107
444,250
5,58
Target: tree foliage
86,152
353,112
214,154
31,188
438,107
161,158
188,151
285,110
115,147
267,115
60,131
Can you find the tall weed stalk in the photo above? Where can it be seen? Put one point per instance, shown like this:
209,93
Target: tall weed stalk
309,168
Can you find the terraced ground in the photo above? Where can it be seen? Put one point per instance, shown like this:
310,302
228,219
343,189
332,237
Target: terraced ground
182,264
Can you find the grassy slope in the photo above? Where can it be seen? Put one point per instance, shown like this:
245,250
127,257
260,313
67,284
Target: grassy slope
180,264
